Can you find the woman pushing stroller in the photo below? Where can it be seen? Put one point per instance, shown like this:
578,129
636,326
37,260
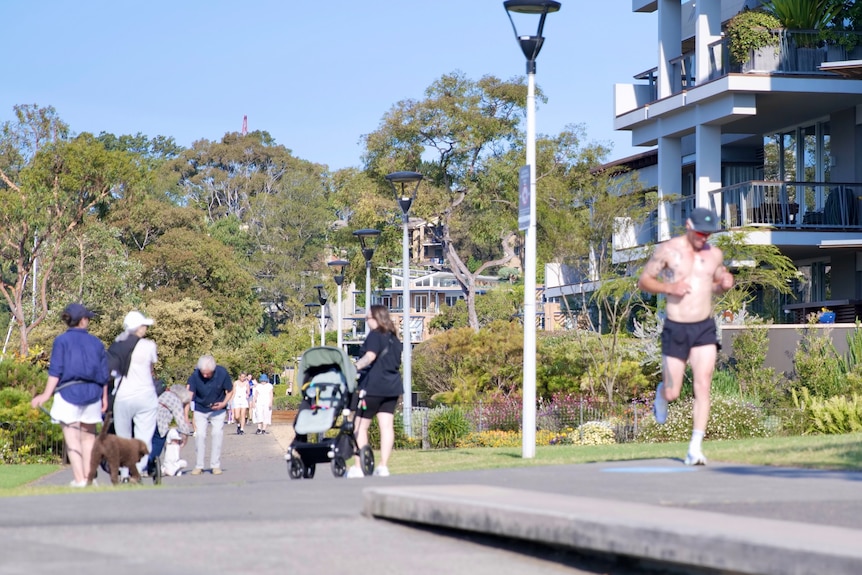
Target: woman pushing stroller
380,386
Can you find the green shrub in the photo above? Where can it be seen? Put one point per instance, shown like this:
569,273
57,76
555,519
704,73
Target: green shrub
28,436
730,418
447,427
832,416
401,439
818,365
22,375
283,402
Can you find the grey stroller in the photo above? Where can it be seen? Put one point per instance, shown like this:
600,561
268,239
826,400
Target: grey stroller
328,383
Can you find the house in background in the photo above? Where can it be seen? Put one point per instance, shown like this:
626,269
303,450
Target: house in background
773,146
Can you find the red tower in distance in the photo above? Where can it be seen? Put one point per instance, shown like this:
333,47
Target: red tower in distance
244,125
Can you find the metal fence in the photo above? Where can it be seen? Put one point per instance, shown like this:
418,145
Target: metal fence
558,417
31,442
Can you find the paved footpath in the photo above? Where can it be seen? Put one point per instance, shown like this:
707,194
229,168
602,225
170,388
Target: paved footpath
640,516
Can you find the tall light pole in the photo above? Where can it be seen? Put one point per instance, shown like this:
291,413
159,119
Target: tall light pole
530,46
401,183
338,267
322,297
368,239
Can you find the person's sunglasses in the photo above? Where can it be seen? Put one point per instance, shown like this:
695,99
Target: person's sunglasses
701,234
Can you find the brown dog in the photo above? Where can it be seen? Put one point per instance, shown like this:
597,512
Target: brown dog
117,452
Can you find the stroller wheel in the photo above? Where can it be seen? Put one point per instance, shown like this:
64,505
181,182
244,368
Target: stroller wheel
339,467
309,471
156,471
366,460
295,468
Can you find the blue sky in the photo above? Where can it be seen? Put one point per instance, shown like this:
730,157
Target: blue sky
317,75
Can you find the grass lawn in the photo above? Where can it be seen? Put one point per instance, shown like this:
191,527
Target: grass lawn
814,451
841,452
16,475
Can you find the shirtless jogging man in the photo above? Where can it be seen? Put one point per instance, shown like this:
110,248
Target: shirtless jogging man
688,271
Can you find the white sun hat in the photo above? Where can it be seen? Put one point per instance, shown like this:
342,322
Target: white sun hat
135,319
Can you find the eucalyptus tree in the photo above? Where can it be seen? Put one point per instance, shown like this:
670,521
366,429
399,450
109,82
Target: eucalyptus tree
48,183
453,136
276,208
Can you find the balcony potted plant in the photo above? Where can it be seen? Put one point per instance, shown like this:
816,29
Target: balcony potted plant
806,19
753,40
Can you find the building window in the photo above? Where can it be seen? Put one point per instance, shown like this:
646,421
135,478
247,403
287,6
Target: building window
421,303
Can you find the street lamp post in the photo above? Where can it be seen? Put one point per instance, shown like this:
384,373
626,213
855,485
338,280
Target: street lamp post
368,239
401,183
530,46
338,267
322,297
309,310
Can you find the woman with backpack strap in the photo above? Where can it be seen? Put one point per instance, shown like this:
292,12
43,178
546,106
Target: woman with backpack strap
135,402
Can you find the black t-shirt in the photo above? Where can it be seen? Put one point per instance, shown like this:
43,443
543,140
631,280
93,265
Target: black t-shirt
384,378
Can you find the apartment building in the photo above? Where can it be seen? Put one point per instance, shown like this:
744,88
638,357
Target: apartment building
773,145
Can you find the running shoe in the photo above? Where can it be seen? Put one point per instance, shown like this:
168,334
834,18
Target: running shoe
354,472
695,458
659,406
381,471
197,471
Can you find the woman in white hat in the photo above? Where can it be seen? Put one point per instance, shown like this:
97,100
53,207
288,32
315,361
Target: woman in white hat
135,400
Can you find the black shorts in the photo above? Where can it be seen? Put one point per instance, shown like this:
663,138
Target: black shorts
677,339
375,404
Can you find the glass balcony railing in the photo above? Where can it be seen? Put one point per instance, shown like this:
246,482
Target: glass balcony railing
791,205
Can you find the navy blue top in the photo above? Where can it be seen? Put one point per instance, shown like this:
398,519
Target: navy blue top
384,377
79,356
206,392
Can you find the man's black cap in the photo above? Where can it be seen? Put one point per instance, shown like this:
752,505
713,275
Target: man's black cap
704,220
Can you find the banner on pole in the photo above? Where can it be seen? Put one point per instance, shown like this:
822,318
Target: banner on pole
524,198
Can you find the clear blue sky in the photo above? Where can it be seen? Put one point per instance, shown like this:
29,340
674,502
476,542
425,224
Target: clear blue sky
317,75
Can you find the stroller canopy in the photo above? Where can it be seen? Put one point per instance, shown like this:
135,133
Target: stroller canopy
317,357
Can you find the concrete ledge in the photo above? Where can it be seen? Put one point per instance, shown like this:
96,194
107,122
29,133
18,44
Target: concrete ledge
668,534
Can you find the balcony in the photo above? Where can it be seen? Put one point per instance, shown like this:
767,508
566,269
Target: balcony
799,52
778,206
822,206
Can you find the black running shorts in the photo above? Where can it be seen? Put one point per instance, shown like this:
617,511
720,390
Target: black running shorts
375,404
677,339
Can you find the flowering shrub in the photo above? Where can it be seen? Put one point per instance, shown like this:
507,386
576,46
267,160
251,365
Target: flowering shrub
730,418
498,438
595,433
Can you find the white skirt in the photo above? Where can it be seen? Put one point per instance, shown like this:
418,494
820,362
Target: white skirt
64,412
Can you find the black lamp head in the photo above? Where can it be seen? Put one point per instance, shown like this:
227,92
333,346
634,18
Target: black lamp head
338,267
401,183
531,45
322,296
368,239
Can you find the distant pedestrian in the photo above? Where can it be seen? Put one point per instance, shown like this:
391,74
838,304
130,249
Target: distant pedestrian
240,402
262,404
212,389
78,380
